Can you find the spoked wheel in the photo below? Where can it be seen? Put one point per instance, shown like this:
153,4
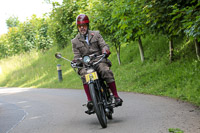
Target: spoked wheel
98,106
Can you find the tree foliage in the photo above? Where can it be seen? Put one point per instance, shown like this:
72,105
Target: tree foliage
173,18
119,21
12,21
62,21
28,35
131,24
102,20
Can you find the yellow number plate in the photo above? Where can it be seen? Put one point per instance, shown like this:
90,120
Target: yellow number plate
91,76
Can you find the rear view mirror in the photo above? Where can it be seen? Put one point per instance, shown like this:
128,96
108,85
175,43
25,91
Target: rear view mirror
58,55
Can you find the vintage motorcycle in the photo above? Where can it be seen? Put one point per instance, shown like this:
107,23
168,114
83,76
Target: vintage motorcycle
102,98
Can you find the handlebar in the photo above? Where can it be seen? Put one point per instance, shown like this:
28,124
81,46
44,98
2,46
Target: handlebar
75,65
103,56
91,56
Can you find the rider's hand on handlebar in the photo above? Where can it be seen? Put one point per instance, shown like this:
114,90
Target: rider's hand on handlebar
73,64
76,63
106,51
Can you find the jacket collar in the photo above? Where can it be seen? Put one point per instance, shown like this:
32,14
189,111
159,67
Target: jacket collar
90,35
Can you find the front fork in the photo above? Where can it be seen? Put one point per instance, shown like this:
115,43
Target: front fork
105,96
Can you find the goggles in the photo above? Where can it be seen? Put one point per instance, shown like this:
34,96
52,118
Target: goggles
82,25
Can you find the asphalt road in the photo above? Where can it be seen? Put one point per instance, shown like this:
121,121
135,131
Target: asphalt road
24,110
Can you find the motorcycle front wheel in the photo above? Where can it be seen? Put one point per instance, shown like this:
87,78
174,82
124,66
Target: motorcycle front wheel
98,105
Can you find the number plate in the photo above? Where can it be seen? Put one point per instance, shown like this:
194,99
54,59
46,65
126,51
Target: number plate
91,76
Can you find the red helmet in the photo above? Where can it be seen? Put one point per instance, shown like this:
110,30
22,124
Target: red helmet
82,19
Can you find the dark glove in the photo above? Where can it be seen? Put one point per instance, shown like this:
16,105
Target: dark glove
76,63
106,51
73,64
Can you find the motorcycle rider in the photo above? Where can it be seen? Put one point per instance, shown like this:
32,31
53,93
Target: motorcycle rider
89,42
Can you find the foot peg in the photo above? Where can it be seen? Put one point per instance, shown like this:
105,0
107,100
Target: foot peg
89,112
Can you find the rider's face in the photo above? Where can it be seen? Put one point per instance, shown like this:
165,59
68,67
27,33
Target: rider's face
82,28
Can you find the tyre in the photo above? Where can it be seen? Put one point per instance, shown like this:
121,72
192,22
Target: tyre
98,107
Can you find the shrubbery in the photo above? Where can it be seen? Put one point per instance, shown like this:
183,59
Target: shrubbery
25,36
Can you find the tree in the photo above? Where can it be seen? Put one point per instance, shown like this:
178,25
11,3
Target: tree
62,22
124,24
101,19
3,46
191,22
131,21
31,34
174,18
12,21
197,46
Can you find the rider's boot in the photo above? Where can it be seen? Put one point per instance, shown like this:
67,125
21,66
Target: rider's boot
118,100
89,104
90,108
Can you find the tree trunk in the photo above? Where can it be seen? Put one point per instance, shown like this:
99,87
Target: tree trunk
197,46
118,54
171,50
141,49
118,57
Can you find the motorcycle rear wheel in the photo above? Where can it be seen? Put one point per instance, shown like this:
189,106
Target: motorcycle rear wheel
98,106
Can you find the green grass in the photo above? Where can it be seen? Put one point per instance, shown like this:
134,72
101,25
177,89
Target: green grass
37,70
156,75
